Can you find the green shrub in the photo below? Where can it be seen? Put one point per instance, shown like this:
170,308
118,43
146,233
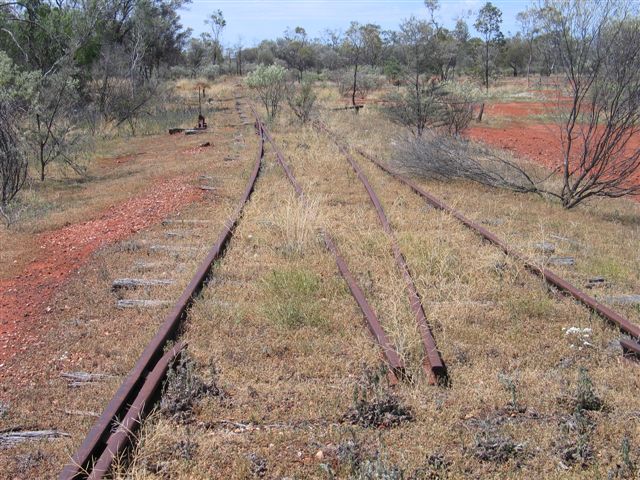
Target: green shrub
293,298
270,84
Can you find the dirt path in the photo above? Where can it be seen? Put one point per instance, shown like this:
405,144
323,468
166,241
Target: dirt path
24,298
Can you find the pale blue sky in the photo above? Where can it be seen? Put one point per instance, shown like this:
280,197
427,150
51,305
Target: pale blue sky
255,20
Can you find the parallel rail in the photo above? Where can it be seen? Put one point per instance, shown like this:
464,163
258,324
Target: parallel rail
551,278
393,359
100,441
433,366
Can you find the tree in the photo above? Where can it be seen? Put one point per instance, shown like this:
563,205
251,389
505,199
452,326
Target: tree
16,91
270,84
598,50
217,23
361,45
514,54
53,134
13,165
415,107
528,20
296,51
488,24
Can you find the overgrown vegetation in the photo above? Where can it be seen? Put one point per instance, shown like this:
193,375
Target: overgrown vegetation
270,83
184,388
374,406
293,298
302,100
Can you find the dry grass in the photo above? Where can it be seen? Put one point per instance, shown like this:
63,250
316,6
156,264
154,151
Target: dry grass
509,412
289,345
88,333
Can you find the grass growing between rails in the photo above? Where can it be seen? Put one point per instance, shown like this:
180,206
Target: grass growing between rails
293,299
538,385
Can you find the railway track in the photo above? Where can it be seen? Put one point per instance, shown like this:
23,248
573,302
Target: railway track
114,429
433,365
393,359
629,345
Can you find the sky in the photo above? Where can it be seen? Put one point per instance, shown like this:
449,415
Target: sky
250,21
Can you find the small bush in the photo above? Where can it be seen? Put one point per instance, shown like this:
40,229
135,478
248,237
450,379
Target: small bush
367,79
492,447
374,406
210,72
585,397
183,388
292,298
458,108
416,109
270,84
302,100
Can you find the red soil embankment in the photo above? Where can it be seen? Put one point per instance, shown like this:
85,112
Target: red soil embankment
24,299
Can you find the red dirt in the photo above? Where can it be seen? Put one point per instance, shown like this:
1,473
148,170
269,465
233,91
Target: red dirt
539,142
24,298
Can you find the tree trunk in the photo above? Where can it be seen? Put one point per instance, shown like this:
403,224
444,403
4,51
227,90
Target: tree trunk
42,162
529,66
355,84
486,66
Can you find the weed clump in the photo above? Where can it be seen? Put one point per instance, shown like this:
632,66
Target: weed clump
493,447
375,407
293,298
184,388
258,465
586,398
355,464
575,449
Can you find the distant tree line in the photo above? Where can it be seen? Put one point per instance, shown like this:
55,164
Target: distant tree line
72,67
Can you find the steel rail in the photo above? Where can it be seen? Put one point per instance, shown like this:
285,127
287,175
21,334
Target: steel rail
433,365
95,441
547,275
395,363
630,348
141,406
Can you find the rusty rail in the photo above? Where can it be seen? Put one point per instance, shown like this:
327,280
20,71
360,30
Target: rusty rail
433,365
547,275
140,407
395,363
96,440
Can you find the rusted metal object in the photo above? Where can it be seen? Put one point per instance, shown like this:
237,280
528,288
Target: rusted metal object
94,443
433,366
395,363
547,275
630,348
140,407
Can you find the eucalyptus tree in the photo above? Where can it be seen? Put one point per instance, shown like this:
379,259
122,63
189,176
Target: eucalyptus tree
361,45
217,23
488,25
